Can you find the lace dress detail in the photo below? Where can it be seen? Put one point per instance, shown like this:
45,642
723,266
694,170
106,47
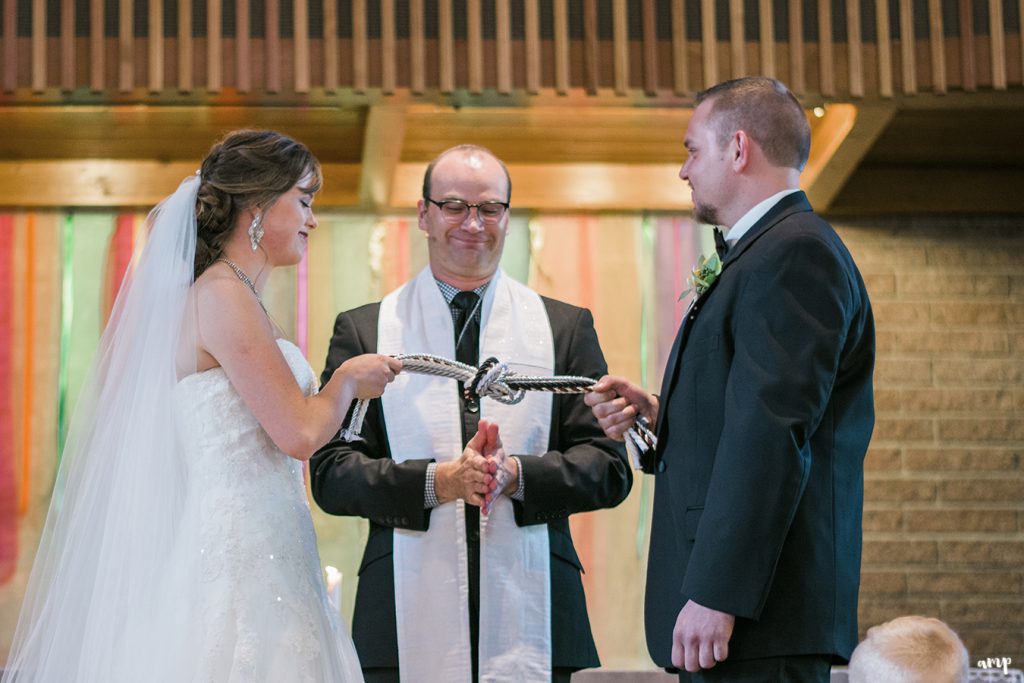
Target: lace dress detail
260,608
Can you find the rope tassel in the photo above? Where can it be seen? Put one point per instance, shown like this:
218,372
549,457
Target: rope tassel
494,380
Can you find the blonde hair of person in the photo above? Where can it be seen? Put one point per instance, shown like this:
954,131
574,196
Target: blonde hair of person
911,649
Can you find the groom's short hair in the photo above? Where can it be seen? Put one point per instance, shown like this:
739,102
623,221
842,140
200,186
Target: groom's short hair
767,111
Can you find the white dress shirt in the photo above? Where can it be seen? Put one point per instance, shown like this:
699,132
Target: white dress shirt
755,214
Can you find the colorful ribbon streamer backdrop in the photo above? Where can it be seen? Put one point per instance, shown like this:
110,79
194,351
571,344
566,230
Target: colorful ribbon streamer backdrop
60,272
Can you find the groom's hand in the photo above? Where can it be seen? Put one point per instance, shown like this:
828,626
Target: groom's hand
471,476
701,637
616,402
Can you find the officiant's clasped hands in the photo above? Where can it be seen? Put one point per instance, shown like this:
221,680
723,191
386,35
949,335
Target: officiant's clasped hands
481,474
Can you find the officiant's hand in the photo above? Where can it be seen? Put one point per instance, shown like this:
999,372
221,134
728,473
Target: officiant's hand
506,476
616,402
368,374
471,476
701,637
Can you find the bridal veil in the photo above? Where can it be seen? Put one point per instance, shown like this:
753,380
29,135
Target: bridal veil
118,495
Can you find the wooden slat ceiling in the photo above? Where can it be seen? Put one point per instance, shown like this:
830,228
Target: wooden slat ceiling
308,52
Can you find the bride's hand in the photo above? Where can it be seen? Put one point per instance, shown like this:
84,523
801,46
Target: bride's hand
367,375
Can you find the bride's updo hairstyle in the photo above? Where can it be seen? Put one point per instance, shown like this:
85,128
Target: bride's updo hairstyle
248,168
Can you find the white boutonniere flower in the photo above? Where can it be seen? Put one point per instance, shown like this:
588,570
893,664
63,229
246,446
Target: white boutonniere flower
706,271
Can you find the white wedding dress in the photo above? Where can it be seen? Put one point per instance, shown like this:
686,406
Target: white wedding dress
178,547
243,598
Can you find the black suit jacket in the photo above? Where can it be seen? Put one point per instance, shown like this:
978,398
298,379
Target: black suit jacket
765,418
582,471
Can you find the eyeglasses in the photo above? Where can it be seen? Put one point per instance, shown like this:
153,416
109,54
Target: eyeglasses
456,210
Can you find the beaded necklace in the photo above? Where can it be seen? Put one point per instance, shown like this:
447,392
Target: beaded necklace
245,278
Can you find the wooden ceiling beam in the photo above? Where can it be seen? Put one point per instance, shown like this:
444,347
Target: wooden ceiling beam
383,139
574,186
168,133
838,144
128,183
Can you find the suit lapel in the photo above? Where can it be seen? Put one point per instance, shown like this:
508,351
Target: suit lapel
790,204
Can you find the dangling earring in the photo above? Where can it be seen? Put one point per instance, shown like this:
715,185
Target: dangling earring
256,231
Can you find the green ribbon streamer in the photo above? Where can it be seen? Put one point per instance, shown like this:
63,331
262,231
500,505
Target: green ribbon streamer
84,248
515,260
646,301
67,316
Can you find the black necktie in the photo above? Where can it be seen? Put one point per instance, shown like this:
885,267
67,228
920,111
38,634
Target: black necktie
721,246
467,350
467,327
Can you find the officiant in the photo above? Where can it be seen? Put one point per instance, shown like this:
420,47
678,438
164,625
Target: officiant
446,593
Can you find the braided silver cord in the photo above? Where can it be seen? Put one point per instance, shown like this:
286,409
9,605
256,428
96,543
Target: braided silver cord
495,380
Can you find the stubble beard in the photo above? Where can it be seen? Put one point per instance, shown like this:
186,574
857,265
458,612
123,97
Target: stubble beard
705,214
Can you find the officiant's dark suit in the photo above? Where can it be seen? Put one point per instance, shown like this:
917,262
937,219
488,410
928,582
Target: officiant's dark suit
582,471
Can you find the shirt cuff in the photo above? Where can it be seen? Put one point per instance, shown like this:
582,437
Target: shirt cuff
430,500
520,492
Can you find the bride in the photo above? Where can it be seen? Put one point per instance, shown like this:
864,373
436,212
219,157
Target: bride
178,545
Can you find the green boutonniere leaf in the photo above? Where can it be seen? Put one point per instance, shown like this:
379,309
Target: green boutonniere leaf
704,274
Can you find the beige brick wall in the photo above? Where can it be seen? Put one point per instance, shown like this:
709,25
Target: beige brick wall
944,487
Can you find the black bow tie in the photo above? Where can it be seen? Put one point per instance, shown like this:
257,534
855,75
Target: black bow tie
721,246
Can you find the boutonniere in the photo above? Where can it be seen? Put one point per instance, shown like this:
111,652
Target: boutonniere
704,274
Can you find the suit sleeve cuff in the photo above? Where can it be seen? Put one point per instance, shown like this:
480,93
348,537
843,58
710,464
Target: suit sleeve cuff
430,500
520,492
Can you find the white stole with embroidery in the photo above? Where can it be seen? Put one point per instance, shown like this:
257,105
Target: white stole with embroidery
423,422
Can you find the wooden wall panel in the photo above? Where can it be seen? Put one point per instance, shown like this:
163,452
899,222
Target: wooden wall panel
620,42
503,40
446,45
766,16
737,38
67,45
650,43
709,42
561,49
826,62
300,44
680,60
214,46
243,44
561,34
997,37
937,41
184,45
907,45
968,69
882,32
126,46
855,49
38,45
797,73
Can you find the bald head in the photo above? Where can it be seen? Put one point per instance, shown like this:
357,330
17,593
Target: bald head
465,242
474,157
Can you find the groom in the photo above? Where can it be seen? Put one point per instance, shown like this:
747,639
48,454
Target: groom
765,415
446,594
